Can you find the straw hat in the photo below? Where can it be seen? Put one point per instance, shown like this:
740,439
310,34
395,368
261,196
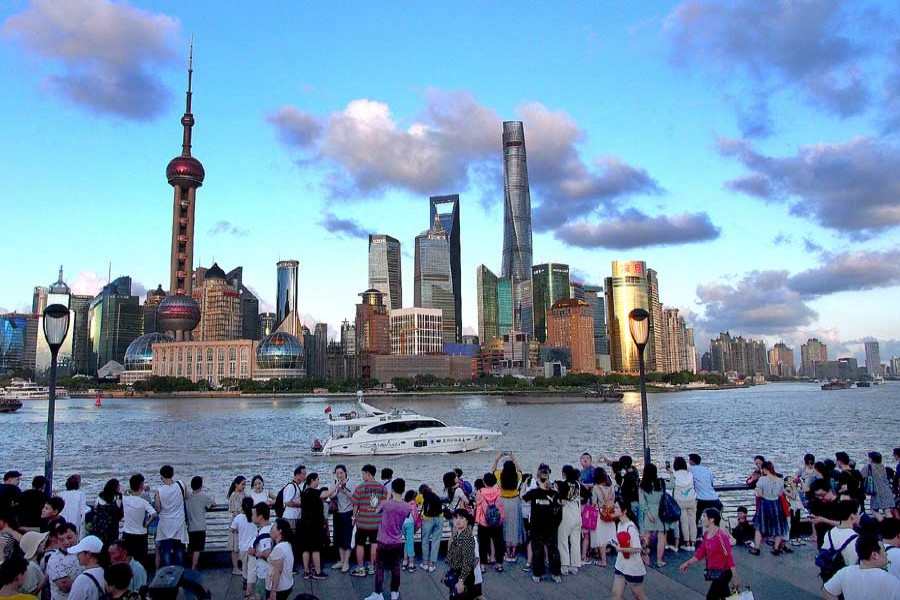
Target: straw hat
30,542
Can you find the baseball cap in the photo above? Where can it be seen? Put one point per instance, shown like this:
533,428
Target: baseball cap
11,474
30,542
90,544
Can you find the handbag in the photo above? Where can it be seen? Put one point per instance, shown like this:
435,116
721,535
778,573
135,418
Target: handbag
589,515
740,594
608,514
669,511
714,574
785,505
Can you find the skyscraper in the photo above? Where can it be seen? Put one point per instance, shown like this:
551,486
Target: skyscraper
321,349
570,324
506,306
524,313
486,291
221,316
626,290
549,285
655,344
873,359
746,357
450,222
115,322
373,330
781,360
286,299
385,273
516,205
80,306
593,295
812,352
348,338
249,305
433,279
268,323
12,343
179,314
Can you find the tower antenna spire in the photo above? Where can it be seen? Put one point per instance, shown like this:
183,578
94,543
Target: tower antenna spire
188,119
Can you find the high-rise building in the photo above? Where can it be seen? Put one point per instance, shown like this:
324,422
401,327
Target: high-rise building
249,305
672,333
690,350
506,305
812,352
80,306
576,290
221,316
516,205
151,303
348,338
39,300
417,331
13,328
593,295
570,324
179,314
268,323
385,273
524,307
286,297
433,277
895,366
309,355
740,355
549,285
321,350
115,322
655,343
781,360
847,369
626,290
486,291
373,324
450,222
873,359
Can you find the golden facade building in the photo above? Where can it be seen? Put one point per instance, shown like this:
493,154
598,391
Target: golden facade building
626,290
570,324
212,361
221,317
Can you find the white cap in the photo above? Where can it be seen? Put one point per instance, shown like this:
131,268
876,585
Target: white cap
90,544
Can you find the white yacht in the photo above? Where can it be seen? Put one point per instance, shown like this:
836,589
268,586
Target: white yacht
21,389
373,431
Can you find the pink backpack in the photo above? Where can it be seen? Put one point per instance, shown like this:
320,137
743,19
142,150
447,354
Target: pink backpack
589,517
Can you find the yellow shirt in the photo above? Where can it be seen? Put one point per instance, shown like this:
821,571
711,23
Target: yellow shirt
20,597
510,493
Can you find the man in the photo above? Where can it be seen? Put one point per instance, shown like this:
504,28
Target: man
824,508
545,518
10,494
390,540
704,486
31,504
744,532
843,534
890,533
631,480
12,576
138,513
171,533
467,487
197,505
291,496
366,498
587,469
90,585
51,514
867,580
63,567
849,480
387,476
262,547
9,537
119,582
118,554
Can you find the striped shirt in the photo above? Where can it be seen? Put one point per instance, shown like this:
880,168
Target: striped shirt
366,498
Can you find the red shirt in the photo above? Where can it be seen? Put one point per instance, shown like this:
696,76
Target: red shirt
716,549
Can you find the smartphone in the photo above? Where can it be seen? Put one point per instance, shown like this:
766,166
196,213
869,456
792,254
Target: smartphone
668,465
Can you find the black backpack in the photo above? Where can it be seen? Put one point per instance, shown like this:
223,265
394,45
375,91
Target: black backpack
830,560
278,507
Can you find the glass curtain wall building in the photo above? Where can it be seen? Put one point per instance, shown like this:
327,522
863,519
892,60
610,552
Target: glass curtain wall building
626,290
433,279
12,343
593,295
488,316
385,274
517,245
115,322
286,297
506,307
550,284
525,307
446,209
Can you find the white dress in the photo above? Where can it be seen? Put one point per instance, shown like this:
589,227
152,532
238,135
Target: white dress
171,514
606,530
75,509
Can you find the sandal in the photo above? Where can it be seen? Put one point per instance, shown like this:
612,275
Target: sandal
499,568
754,551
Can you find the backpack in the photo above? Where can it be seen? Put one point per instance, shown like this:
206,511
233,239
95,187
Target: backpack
589,516
669,511
492,515
106,522
278,506
830,560
467,488
432,506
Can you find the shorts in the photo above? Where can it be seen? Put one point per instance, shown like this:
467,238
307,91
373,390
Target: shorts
630,578
260,587
250,570
196,541
343,530
364,536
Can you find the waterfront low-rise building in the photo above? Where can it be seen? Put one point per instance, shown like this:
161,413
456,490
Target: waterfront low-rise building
417,331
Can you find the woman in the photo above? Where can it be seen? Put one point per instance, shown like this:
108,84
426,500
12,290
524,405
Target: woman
461,556
108,512
341,500
756,473
279,577
568,534
235,498
432,526
882,500
489,515
603,496
510,477
770,520
312,527
244,531
630,569
896,483
258,491
650,494
716,549
76,503
686,498
456,497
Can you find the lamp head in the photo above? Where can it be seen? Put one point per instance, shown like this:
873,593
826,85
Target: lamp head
639,325
56,325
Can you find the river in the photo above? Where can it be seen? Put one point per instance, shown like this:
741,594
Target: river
221,438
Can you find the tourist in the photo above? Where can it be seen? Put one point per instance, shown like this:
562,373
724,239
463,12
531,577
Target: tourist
866,580
198,503
244,531
31,504
461,558
756,473
90,584
842,536
33,545
650,491
770,520
12,576
10,494
528,483
258,491
118,554
744,533
313,529
366,498
262,546
119,579
412,524
235,498
279,578
387,475
630,569
341,508
881,499
890,533
686,498
568,534
896,482
824,508
108,512
510,479
603,496
849,480
792,493
138,514
432,526
807,474
721,570
545,511
628,487
586,475
393,512
456,496
704,485
489,514
51,513
9,537
76,503
467,487
171,533
62,567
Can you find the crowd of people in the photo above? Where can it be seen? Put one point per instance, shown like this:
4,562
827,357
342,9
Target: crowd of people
63,547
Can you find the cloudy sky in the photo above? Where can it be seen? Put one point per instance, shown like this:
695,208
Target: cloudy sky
746,150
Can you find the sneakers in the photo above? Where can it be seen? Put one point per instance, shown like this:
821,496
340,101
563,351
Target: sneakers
424,567
431,568
370,570
395,595
319,575
509,559
374,596
671,547
307,574
237,572
358,572
338,566
535,579
527,567
556,579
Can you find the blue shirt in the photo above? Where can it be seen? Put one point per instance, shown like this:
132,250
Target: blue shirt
138,575
587,475
703,483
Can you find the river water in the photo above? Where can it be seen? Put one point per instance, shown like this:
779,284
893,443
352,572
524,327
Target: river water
221,438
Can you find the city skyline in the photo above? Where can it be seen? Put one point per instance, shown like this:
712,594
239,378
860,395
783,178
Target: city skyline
596,175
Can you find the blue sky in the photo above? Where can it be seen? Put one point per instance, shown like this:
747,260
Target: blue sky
747,151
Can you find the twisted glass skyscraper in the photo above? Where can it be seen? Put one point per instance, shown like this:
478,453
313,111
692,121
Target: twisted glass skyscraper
516,205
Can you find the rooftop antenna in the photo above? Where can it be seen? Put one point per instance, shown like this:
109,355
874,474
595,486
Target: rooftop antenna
109,274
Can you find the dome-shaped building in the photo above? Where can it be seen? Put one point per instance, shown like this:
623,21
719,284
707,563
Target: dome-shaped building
178,313
279,351
139,355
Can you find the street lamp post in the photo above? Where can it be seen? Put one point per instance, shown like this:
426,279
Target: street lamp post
639,324
56,326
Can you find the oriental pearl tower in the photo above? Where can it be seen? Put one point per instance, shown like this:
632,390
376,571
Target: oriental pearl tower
179,313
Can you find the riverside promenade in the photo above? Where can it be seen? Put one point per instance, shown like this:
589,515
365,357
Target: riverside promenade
792,576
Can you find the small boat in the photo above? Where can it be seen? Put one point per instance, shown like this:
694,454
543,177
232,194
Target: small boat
605,392
837,385
879,380
863,383
22,389
9,406
317,447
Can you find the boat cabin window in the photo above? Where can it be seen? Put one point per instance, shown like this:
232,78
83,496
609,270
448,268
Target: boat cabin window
404,426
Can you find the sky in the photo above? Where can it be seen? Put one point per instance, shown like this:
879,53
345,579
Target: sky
746,150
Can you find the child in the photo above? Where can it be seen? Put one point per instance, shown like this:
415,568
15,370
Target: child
245,531
411,524
793,495
744,532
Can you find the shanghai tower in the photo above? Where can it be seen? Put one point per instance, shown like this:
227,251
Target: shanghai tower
516,205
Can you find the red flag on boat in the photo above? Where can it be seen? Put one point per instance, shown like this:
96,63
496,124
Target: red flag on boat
328,410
